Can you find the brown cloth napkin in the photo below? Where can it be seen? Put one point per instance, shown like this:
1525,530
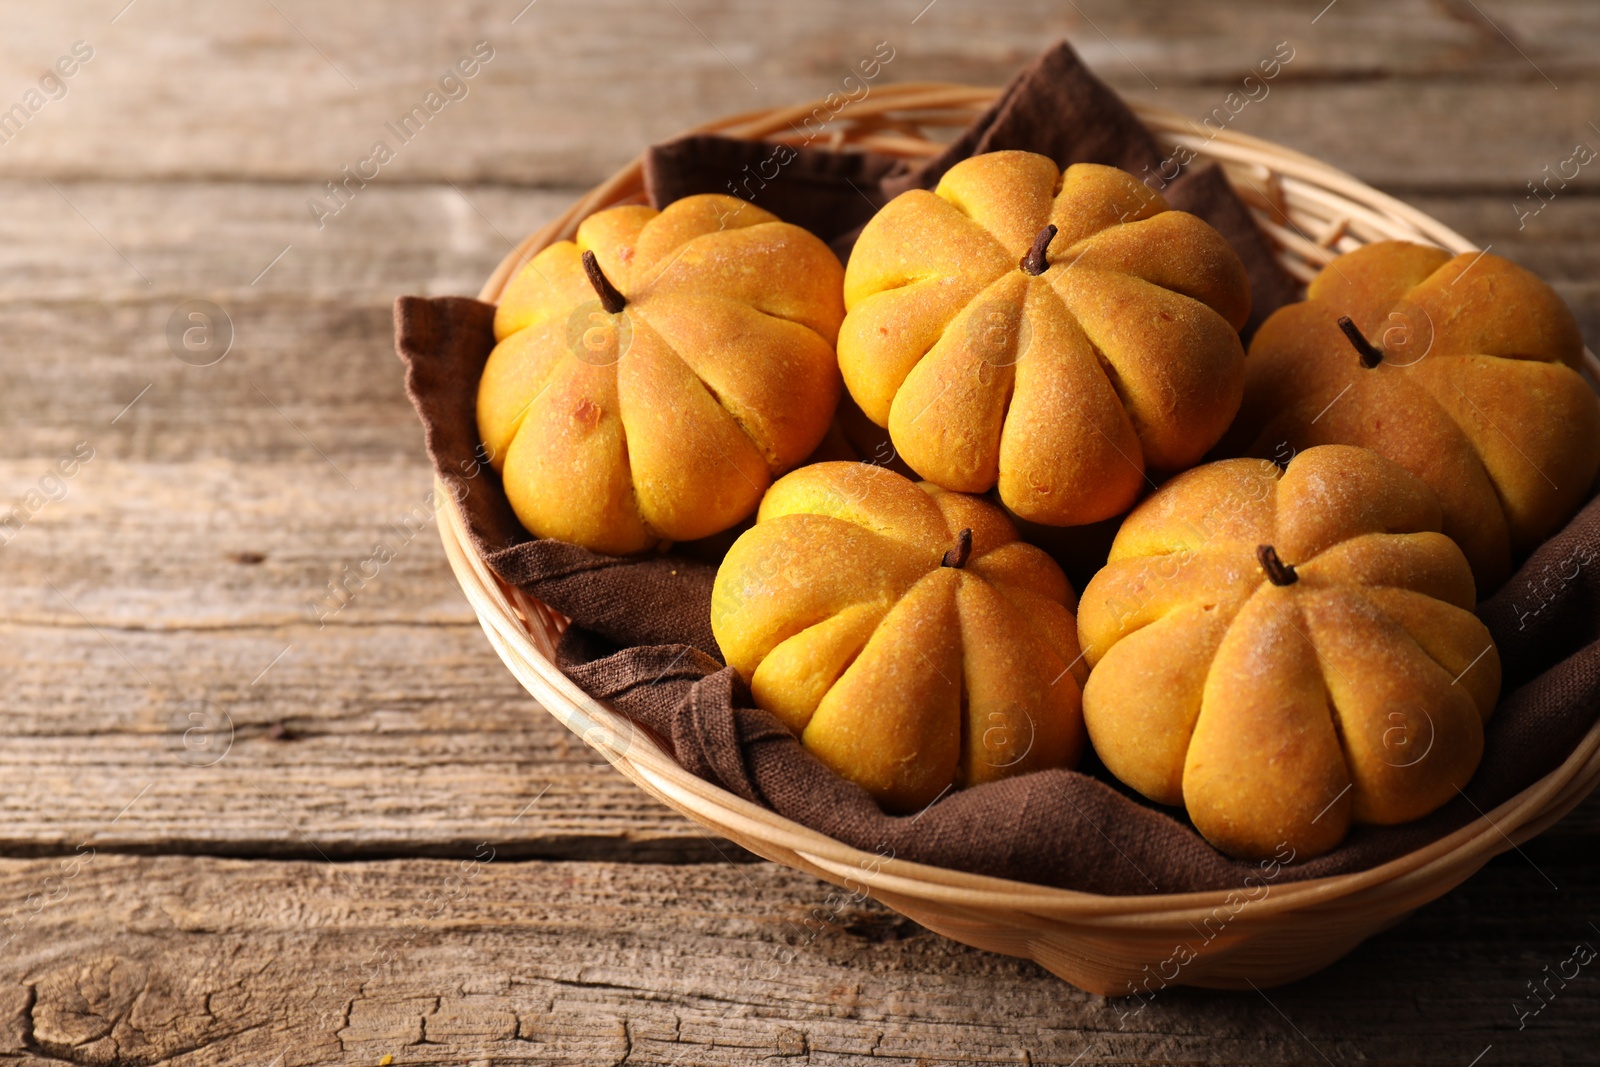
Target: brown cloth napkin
641,637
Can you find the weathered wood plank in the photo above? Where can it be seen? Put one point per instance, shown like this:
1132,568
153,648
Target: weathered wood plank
208,582
148,590
295,91
165,242
400,740
359,740
1421,136
153,592
305,380
209,240
199,961
216,545
393,740
327,362
95,335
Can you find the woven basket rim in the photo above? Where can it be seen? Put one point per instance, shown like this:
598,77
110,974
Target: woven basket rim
522,630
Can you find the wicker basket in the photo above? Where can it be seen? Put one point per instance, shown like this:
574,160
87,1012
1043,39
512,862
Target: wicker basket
1111,945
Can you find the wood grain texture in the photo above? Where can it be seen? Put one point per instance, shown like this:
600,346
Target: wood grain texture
1400,93
181,570
152,594
190,961
67,243
362,741
405,733
312,365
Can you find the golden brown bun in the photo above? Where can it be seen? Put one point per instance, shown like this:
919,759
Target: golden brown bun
1478,393
1059,388
1281,714
667,421
903,675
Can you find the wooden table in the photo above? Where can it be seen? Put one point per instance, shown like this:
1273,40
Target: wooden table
232,834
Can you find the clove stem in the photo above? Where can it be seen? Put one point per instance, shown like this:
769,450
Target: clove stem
1278,572
1035,262
957,556
1370,355
610,299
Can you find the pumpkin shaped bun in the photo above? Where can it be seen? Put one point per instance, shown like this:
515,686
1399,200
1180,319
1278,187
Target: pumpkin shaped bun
903,632
1462,369
1288,653
654,375
1050,333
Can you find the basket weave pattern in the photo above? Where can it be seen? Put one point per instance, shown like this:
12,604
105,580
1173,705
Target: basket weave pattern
1272,934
